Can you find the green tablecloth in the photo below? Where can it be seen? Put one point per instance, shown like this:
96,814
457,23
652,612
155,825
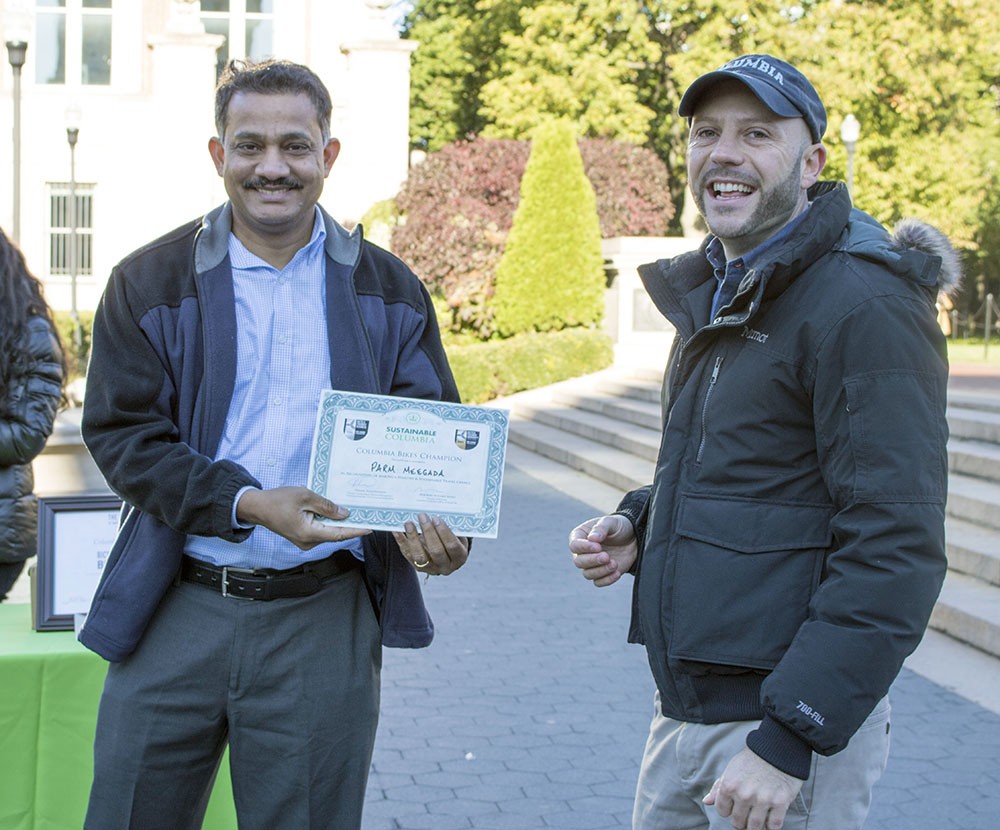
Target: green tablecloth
49,690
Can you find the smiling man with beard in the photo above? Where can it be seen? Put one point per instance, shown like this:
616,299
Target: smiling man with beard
790,549
229,614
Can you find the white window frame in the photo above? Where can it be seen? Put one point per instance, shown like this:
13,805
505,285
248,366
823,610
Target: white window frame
73,13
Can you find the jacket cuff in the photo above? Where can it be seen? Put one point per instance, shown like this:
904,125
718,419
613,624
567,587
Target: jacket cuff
633,507
781,748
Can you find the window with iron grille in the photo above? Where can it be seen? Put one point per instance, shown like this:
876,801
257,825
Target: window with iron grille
65,215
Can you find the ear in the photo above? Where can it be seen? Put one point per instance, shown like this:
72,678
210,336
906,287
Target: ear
330,153
813,163
218,154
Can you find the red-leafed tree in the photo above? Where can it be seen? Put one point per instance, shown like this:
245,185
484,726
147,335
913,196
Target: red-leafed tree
458,204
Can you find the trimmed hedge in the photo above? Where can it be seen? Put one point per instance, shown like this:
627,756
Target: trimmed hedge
76,359
484,371
551,274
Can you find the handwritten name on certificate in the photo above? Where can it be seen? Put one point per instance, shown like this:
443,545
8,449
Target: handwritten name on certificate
386,459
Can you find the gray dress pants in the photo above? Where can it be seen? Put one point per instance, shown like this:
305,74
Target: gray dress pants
291,685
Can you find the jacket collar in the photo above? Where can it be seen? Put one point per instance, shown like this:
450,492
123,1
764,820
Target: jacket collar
677,286
212,244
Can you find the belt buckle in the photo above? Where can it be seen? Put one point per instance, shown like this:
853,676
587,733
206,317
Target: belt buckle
226,570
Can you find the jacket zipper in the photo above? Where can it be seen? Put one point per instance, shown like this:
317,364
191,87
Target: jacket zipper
704,408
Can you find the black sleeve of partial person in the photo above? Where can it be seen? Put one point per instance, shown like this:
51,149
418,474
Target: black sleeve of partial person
781,748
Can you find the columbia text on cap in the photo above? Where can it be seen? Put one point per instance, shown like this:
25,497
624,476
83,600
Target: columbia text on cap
779,85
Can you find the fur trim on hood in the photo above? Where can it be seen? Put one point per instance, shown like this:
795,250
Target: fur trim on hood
914,250
912,233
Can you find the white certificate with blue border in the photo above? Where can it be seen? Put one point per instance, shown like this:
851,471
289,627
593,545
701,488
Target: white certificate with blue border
386,459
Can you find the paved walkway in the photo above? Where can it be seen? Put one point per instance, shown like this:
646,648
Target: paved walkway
530,710
978,378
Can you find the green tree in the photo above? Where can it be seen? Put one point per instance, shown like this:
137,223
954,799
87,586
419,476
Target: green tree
458,53
551,276
437,80
574,59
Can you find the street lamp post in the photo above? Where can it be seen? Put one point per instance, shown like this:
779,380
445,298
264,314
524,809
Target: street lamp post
850,131
16,51
72,134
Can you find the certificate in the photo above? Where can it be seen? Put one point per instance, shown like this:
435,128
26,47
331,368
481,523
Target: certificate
75,536
386,459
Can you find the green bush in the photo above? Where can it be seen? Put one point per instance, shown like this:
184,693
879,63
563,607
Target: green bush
76,356
551,274
484,371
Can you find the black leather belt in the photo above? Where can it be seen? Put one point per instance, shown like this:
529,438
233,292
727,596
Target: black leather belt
265,583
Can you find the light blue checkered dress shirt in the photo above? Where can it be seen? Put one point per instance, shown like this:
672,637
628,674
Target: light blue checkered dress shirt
282,364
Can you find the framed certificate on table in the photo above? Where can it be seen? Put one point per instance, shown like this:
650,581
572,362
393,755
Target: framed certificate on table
387,459
75,535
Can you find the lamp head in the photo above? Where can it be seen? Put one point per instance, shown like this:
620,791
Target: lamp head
850,131
16,52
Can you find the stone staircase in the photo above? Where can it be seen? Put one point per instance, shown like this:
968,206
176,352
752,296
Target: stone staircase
607,426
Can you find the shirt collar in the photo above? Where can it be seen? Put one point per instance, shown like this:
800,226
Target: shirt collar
717,256
243,258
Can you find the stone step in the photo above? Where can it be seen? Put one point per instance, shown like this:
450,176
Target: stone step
973,400
974,424
605,463
973,550
969,610
977,459
630,410
631,388
626,438
974,500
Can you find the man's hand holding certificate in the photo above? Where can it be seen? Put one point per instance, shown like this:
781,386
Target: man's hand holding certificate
396,461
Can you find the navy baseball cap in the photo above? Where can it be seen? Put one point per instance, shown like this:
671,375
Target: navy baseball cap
779,85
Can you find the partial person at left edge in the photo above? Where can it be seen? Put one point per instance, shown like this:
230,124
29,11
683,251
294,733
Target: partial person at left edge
32,374
230,615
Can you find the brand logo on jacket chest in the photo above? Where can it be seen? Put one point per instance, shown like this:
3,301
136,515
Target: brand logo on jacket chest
752,334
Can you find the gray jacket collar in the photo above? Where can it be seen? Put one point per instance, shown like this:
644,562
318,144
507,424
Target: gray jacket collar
212,244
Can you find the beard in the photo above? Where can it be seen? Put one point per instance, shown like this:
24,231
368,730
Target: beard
776,207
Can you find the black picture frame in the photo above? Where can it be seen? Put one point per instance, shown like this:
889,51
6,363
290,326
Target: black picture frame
63,572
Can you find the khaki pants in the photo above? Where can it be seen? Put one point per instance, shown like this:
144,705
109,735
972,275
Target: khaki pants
683,760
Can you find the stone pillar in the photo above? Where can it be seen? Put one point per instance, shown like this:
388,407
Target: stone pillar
181,110
372,168
642,335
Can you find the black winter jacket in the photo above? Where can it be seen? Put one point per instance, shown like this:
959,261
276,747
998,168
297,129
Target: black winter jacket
792,542
27,415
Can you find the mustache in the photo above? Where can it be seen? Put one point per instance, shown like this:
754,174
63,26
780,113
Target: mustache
254,184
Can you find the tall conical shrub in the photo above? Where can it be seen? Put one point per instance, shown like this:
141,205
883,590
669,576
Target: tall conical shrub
551,276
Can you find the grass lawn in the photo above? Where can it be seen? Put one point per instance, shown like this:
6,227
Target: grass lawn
972,350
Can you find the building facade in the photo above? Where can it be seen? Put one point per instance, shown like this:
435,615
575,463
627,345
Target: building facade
114,108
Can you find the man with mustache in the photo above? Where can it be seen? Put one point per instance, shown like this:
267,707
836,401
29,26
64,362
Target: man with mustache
791,546
229,613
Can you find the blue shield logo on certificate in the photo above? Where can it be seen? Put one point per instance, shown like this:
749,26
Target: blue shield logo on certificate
466,439
355,428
